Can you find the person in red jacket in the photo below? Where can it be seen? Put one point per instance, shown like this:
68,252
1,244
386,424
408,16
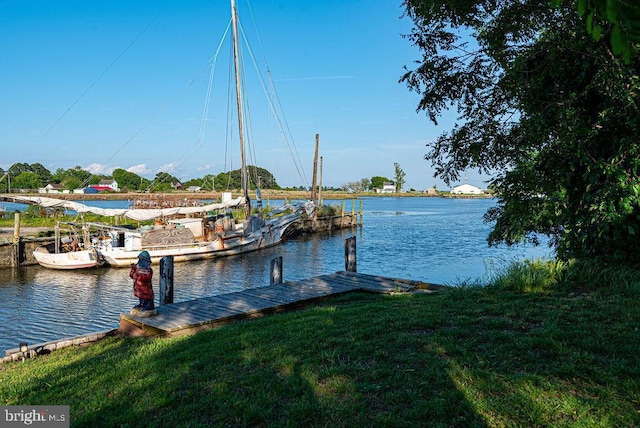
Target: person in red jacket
142,289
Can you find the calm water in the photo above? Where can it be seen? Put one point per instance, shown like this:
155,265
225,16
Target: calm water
430,239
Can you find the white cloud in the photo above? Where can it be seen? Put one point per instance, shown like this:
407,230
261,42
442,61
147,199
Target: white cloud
169,167
140,169
206,167
98,169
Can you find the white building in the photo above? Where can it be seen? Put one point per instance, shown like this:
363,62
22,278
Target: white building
467,189
388,187
52,188
110,183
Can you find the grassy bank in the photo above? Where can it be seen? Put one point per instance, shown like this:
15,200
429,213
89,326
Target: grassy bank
546,345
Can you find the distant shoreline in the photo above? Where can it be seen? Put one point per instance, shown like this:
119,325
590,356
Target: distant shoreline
266,194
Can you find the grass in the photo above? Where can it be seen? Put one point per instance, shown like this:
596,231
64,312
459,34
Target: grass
30,220
559,352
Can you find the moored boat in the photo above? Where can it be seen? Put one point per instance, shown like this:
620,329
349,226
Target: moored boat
79,259
72,251
193,238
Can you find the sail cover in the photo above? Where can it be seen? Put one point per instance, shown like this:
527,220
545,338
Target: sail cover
132,213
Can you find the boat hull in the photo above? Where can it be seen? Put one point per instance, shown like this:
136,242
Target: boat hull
124,258
223,246
82,259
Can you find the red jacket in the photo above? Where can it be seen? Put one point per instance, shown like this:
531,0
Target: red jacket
142,282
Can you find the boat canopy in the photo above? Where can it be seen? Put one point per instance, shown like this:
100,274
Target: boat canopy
132,213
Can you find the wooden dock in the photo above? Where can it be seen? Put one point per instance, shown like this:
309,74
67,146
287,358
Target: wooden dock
193,315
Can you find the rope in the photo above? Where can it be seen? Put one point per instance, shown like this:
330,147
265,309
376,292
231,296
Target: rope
211,62
277,113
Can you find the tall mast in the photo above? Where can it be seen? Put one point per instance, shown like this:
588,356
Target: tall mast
314,185
236,53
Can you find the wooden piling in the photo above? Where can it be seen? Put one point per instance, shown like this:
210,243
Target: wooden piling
166,280
16,227
276,271
18,247
350,254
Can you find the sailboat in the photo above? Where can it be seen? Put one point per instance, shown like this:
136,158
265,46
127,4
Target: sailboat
196,235
197,238
229,238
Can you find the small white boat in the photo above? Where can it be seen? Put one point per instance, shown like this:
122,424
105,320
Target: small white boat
79,259
68,252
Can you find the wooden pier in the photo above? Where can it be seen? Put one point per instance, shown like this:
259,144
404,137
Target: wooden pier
193,315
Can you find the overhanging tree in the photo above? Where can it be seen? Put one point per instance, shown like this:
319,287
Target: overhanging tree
550,112
622,17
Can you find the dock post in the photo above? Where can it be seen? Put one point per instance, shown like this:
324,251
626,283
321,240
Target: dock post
166,280
350,254
17,256
354,215
276,271
16,227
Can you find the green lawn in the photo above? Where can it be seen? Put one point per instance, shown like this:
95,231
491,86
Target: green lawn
564,355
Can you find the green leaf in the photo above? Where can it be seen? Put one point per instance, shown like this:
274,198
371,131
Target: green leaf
597,32
617,41
582,7
612,11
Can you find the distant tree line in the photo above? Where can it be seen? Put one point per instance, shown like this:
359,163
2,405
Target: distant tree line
34,176
24,176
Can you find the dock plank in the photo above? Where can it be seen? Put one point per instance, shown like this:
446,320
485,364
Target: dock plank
277,294
242,301
208,311
376,283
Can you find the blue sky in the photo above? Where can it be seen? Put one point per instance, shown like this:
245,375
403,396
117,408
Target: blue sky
119,83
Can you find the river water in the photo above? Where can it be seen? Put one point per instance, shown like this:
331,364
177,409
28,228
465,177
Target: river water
435,240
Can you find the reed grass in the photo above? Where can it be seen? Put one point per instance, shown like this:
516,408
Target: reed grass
27,220
553,345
